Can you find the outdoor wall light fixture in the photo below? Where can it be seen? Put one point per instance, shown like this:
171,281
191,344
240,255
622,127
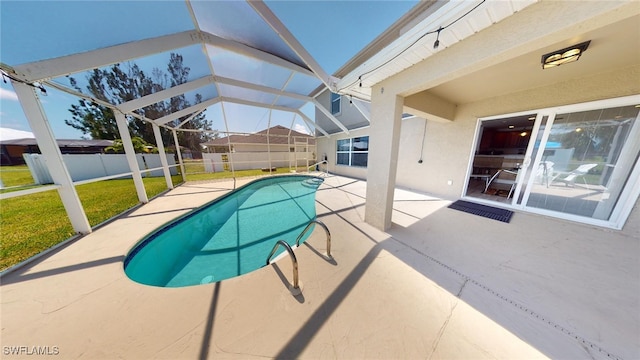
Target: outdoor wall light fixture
563,56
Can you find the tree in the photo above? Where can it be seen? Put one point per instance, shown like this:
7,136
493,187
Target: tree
139,146
124,82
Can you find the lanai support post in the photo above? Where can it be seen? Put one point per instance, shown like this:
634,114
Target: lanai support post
384,136
53,157
163,156
175,140
123,128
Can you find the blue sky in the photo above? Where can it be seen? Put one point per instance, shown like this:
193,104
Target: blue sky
331,31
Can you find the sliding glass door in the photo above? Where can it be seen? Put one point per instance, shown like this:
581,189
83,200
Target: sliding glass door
584,162
579,162
500,154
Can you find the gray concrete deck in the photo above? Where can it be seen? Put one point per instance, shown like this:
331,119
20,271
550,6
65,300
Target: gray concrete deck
439,284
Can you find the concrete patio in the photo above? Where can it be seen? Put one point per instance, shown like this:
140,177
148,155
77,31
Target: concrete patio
439,284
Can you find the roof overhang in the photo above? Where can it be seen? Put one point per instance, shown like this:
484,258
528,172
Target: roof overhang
493,48
457,21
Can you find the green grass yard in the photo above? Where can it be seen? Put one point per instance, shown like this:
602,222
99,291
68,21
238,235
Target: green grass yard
33,223
15,175
26,230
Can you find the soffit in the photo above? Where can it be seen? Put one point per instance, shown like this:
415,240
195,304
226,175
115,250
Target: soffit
460,21
612,47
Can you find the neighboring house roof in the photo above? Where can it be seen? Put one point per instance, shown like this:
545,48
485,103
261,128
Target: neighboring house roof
61,142
11,134
278,135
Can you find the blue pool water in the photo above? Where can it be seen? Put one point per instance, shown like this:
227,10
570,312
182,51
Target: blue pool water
227,237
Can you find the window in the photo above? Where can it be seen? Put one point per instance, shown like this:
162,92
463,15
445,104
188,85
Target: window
335,104
353,152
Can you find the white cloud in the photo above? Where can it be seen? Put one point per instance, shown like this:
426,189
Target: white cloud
8,95
301,129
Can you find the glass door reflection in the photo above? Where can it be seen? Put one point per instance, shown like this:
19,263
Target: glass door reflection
585,162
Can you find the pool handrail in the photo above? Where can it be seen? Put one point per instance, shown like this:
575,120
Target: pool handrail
326,169
294,260
326,230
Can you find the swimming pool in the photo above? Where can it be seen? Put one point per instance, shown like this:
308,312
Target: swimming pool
228,237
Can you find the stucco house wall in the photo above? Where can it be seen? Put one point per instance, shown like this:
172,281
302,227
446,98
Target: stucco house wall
428,89
448,145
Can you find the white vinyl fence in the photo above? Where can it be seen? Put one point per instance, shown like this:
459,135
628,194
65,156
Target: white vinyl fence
216,162
91,166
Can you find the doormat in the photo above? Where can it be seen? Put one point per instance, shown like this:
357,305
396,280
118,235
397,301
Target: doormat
482,210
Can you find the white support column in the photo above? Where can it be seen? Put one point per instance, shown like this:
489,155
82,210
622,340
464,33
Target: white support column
53,157
226,125
175,140
131,156
163,156
269,140
384,141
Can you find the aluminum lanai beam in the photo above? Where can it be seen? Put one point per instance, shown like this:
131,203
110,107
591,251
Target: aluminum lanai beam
262,88
254,103
272,20
69,64
52,155
246,50
175,140
165,94
186,111
189,118
328,114
89,98
130,153
274,107
150,99
163,156
310,123
358,106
